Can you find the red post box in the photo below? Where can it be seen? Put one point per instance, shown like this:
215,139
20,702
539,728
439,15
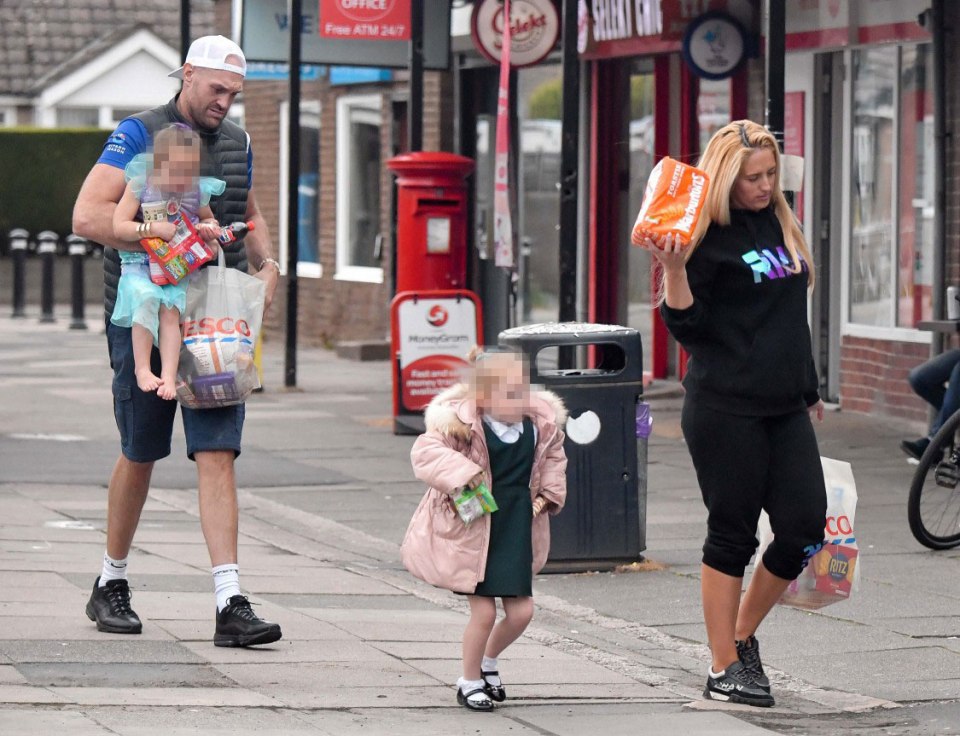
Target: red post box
431,220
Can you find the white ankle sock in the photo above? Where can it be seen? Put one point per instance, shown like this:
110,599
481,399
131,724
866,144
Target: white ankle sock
715,675
226,583
489,664
112,570
466,685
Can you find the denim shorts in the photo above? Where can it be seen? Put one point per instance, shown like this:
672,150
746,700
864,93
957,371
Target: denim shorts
145,420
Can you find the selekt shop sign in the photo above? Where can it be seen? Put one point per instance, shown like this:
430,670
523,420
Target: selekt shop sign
373,20
534,29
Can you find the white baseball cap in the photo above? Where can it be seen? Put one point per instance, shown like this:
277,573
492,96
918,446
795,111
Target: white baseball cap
212,52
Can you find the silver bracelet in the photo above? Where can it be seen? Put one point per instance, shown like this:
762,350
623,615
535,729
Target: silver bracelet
273,261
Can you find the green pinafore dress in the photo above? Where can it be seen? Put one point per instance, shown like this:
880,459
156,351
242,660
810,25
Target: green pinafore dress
510,554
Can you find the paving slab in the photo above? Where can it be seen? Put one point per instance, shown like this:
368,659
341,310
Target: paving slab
105,649
925,673
167,696
293,652
517,672
29,722
620,722
122,675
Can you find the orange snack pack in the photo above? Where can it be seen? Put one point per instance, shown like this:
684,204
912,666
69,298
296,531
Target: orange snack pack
672,202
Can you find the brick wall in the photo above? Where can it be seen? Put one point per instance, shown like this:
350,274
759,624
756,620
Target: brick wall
873,377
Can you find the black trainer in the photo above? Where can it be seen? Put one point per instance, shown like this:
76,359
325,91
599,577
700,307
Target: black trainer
915,448
736,685
109,606
749,652
239,626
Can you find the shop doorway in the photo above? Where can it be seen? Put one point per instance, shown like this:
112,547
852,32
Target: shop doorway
826,236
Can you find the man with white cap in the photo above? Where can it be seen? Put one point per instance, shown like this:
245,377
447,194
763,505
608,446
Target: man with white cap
212,77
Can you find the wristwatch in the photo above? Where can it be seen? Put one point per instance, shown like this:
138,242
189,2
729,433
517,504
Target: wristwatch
274,261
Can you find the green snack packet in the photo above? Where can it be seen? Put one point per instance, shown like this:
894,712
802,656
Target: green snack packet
472,503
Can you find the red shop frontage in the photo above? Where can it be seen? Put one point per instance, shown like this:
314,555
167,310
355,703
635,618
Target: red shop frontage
645,101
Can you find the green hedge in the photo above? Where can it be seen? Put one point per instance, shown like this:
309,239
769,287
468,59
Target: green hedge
41,171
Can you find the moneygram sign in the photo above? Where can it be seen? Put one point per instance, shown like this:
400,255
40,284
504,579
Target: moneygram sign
371,20
431,334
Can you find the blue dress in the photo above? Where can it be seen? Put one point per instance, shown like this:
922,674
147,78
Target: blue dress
139,299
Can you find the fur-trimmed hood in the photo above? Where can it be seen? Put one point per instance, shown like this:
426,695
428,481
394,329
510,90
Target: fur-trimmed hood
452,412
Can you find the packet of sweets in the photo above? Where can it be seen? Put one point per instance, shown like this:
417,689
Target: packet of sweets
672,202
472,503
181,256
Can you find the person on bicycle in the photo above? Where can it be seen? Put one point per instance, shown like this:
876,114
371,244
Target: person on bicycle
736,300
937,381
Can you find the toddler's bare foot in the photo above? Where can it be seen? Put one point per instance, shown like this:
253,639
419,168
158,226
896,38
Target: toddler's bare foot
146,380
167,388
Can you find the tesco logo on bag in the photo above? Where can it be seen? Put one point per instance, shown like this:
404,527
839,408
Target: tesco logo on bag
838,525
210,326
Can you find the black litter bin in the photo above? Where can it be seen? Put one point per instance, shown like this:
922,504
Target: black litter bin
604,521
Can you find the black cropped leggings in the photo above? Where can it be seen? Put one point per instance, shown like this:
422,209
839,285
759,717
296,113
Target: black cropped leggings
748,463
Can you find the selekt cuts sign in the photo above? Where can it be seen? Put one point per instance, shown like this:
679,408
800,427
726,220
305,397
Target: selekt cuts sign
374,20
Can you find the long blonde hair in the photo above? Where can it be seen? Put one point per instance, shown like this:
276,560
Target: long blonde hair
723,159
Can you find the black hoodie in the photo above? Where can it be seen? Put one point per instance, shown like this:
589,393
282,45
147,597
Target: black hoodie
746,332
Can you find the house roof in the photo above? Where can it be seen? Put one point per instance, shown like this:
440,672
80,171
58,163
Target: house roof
43,40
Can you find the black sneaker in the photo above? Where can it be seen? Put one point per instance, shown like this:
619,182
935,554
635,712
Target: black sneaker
109,606
915,448
749,653
736,685
239,626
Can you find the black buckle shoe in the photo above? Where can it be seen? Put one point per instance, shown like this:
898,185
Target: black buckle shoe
495,691
482,703
109,606
736,685
239,626
748,651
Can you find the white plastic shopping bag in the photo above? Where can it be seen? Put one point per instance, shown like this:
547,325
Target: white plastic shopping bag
832,573
220,327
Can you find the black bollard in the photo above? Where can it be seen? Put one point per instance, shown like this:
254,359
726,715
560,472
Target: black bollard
18,254
47,250
77,248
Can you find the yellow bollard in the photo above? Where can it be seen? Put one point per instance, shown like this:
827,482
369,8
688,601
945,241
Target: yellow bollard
258,359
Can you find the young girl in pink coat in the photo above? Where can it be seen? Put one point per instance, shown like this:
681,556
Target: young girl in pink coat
493,430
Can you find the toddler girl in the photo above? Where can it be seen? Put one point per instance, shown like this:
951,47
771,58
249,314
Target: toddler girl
492,430
159,187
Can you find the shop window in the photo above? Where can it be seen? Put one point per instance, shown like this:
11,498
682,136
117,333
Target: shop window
539,103
641,150
713,107
308,197
915,256
892,199
358,188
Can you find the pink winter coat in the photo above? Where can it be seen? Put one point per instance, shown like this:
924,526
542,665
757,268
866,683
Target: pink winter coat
438,547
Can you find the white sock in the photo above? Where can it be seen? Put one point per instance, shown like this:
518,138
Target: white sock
112,570
715,675
489,664
467,685
226,583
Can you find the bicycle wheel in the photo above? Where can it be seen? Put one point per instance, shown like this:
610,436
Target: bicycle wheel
933,508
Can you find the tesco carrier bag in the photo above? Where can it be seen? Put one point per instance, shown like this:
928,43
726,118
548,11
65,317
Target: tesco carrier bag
220,327
832,572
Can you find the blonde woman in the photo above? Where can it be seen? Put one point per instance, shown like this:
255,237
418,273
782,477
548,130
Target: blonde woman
736,300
